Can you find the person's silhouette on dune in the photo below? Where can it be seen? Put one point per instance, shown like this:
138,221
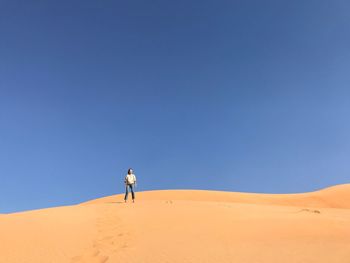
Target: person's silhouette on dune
130,182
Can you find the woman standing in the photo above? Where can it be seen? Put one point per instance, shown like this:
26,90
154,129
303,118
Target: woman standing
130,182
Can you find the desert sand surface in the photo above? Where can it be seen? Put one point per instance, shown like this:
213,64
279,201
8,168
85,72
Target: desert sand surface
185,226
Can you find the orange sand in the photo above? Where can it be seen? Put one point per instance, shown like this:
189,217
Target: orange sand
185,226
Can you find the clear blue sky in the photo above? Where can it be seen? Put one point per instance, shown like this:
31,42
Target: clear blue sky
248,96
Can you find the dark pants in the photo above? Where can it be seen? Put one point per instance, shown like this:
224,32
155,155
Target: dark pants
127,191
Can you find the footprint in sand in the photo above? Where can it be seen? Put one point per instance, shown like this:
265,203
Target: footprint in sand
90,257
310,211
108,240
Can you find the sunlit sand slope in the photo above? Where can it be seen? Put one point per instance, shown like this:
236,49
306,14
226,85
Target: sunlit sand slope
185,226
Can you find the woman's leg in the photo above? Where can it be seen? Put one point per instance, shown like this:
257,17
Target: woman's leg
126,192
132,191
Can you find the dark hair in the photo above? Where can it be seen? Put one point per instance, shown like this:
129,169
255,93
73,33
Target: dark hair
129,171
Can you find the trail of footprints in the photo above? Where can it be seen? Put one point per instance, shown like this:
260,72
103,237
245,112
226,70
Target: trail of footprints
109,240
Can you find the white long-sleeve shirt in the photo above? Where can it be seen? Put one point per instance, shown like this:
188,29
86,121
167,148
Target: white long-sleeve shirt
130,179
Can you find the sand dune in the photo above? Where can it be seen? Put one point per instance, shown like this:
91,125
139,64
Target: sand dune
185,226
332,197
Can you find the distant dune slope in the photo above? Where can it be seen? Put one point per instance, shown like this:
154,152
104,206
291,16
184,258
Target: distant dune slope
178,226
333,197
